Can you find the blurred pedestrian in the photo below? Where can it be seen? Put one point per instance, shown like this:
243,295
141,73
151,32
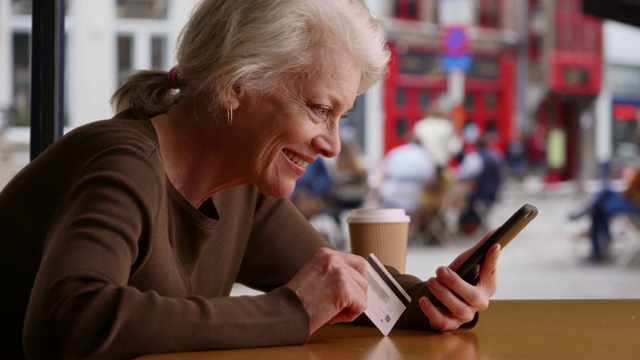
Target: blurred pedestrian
516,157
312,197
438,136
350,178
407,170
483,169
605,205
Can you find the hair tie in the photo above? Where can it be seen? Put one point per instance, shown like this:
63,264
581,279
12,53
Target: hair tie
172,76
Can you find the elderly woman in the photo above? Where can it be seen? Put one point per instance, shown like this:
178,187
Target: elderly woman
126,236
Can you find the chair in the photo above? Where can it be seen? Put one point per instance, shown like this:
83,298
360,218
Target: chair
626,234
436,203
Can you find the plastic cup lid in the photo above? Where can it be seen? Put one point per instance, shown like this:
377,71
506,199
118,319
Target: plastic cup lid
376,215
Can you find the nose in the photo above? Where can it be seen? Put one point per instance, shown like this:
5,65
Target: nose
328,144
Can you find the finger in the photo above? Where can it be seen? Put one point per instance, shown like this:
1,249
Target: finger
353,296
360,282
456,305
470,294
489,270
357,262
437,319
356,272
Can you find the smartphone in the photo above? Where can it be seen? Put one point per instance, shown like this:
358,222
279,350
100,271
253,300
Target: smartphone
503,235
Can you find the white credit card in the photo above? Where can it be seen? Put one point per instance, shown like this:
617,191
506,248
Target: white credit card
386,300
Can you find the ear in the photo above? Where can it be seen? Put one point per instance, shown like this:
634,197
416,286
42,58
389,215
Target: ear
230,98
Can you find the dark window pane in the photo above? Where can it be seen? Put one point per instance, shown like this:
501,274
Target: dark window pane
22,7
25,7
158,51
125,56
424,99
468,101
492,100
21,79
142,9
401,98
492,128
402,127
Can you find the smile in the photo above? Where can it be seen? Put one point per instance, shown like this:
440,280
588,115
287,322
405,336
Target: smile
302,163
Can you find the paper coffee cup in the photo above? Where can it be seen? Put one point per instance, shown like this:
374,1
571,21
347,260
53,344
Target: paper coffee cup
384,232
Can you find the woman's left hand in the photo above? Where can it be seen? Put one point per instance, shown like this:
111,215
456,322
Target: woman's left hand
459,300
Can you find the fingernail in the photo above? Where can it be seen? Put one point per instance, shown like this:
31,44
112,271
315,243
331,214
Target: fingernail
443,271
424,302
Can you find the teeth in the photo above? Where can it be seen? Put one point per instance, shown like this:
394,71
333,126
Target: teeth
296,159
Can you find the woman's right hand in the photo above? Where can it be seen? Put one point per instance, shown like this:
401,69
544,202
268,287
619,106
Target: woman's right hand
332,286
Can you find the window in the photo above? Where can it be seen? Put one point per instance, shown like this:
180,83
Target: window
142,9
468,101
21,79
125,57
25,7
21,7
491,100
423,99
158,52
402,127
406,9
401,98
490,13
492,128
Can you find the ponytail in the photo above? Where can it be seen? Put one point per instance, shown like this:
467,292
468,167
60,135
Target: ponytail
149,90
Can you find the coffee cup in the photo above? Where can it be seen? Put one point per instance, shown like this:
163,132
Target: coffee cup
381,231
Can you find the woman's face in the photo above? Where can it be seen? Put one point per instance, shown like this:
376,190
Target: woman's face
286,130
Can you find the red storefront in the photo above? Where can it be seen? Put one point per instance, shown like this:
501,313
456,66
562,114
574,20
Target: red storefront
571,53
416,83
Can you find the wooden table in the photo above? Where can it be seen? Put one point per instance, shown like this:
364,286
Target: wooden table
509,329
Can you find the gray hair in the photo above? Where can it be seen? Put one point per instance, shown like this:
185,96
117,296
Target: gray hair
258,45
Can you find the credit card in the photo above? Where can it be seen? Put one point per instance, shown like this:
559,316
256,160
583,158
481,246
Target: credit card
386,299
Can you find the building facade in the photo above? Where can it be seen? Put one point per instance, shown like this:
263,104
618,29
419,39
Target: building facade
104,40
512,67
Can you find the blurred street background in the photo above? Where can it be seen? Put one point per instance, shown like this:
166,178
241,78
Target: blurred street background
547,259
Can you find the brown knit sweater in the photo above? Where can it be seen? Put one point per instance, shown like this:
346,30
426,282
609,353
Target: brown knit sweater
112,261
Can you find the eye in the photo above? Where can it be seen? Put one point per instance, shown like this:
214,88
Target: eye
323,112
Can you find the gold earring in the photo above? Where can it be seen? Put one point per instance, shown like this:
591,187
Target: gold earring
230,114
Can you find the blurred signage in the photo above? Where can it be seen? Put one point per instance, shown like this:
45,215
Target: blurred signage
575,76
451,63
455,44
485,68
420,64
455,41
624,112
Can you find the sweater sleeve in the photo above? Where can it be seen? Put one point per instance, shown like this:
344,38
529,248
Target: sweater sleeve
83,304
281,242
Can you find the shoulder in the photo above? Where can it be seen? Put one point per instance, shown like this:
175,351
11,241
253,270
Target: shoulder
128,130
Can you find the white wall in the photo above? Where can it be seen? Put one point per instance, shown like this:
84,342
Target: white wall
92,55
91,60
621,46
621,43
